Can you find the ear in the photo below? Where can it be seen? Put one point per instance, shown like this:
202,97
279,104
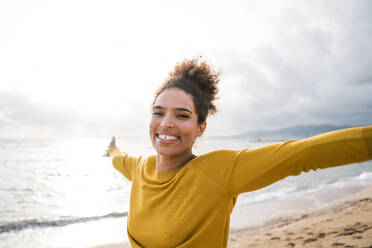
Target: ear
202,128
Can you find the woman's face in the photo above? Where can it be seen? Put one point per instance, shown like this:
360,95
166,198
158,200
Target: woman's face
174,123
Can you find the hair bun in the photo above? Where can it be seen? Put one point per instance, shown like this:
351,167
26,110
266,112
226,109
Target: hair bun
198,72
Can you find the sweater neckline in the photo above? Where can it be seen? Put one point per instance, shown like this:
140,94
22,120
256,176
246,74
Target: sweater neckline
167,173
171,173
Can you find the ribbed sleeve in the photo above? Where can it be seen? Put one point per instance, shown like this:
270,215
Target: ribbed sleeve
257,168
367,134
124,163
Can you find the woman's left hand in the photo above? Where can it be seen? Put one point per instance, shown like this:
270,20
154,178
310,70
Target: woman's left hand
110,147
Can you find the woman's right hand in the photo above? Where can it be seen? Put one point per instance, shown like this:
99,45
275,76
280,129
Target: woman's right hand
110,147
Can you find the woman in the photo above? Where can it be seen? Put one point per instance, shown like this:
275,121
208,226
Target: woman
182,200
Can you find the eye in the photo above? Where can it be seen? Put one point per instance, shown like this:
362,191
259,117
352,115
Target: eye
157,114
183,116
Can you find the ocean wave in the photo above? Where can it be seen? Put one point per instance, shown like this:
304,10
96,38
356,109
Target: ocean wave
365,176
286,190
40,223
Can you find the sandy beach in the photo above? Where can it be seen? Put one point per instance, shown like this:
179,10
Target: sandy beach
346,222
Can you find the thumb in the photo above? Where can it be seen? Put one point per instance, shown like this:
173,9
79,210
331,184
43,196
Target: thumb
113,141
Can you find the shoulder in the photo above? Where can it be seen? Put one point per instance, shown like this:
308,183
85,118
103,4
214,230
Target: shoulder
216,166
146,159
220,154
217,157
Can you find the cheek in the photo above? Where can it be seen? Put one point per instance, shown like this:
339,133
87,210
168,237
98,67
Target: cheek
153,124
189,130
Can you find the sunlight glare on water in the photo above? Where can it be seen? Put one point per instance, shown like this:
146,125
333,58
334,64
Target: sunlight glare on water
87,176
60,194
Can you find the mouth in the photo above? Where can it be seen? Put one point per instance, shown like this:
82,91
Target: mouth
167,138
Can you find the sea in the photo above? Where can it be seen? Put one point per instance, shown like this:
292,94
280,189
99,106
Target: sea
64,193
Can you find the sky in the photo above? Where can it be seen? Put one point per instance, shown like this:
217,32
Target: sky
89,68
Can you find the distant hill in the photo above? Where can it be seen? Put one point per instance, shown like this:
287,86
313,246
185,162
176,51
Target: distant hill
294,132
302,130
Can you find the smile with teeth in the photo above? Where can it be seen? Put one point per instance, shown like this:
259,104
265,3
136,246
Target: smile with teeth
167,137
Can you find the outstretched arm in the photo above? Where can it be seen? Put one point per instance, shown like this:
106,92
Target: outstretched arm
124,163
257,168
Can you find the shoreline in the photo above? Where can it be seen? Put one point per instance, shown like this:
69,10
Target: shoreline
258,213
344,221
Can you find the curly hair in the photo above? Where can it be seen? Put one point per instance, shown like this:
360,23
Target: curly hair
195,77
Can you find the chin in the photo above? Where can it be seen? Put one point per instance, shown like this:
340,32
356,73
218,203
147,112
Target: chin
165,152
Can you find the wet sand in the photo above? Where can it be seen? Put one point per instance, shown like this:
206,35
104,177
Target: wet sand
347,222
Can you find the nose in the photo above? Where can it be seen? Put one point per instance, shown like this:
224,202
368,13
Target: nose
167,121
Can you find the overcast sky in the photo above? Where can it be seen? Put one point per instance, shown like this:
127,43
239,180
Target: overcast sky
85,68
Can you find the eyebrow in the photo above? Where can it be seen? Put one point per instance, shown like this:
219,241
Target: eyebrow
177,109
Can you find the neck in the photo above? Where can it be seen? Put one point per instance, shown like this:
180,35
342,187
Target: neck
167,163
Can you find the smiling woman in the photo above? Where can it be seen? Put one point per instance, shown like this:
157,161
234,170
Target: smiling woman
180,109
179,199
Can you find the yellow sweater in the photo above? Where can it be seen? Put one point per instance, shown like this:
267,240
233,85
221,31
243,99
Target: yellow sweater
191,206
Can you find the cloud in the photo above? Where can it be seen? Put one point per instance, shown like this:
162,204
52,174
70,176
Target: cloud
317,72
283,64
16,108
23,118
20,117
